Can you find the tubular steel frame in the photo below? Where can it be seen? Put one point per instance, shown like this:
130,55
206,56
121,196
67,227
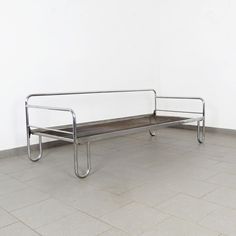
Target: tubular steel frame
74,139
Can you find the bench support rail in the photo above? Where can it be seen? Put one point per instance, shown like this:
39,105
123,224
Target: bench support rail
201,130
76,161
152,133
200,124
34,159
74,134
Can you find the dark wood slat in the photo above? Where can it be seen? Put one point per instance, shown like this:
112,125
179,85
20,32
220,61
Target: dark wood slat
93,128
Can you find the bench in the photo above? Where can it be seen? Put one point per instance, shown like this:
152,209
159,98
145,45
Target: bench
78,133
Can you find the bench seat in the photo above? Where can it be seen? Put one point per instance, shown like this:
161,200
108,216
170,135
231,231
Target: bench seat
114,127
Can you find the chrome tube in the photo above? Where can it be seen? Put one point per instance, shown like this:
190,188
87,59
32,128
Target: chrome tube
76,159
28,134
75,140
201,130
50,129
175,111
40,150
95,92
91,92
184,98
49,108
201,125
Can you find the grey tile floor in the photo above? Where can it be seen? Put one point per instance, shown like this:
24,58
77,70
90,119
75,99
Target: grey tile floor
168,185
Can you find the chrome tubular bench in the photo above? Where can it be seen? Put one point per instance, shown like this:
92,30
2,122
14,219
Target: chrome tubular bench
92,131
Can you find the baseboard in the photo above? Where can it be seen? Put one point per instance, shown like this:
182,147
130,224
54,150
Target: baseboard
208,129
20,151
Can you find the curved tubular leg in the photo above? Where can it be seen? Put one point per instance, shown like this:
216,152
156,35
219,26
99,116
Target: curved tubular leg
76,161
40,150
152,133
201,131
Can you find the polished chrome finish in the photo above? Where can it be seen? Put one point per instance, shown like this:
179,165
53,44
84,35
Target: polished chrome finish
201,131
200,123
75,139
28,133
181,98
152,133
49,108
187,112
76,160
40,150
70,140
50,129
155,104
201,138
91,92
135,130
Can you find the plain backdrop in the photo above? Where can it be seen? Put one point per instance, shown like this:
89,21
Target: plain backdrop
177,47
198,55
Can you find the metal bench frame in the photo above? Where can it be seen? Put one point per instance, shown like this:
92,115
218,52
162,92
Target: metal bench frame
29,128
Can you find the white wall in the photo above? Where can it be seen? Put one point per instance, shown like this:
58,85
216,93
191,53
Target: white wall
198,55
65,45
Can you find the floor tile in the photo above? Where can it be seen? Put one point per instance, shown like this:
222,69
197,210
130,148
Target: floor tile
195,173
219,152
21,199
74,225
3,177
18,229
226,167
215,151
6,218
131,178
82,197
194,188
32,173
187,207
51,181
222,220
224,179
150,194
70,189
15,164
226,140
223,196
112,183
113,232
97,202
43,213
195,159
185,168
134,218
132,173
9,186
178,227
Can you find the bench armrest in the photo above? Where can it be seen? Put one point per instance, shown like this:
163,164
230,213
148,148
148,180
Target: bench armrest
202,112
60,109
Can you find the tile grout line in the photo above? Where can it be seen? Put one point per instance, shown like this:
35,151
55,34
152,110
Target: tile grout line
77,210
19,220
191,221
7,225
31,204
